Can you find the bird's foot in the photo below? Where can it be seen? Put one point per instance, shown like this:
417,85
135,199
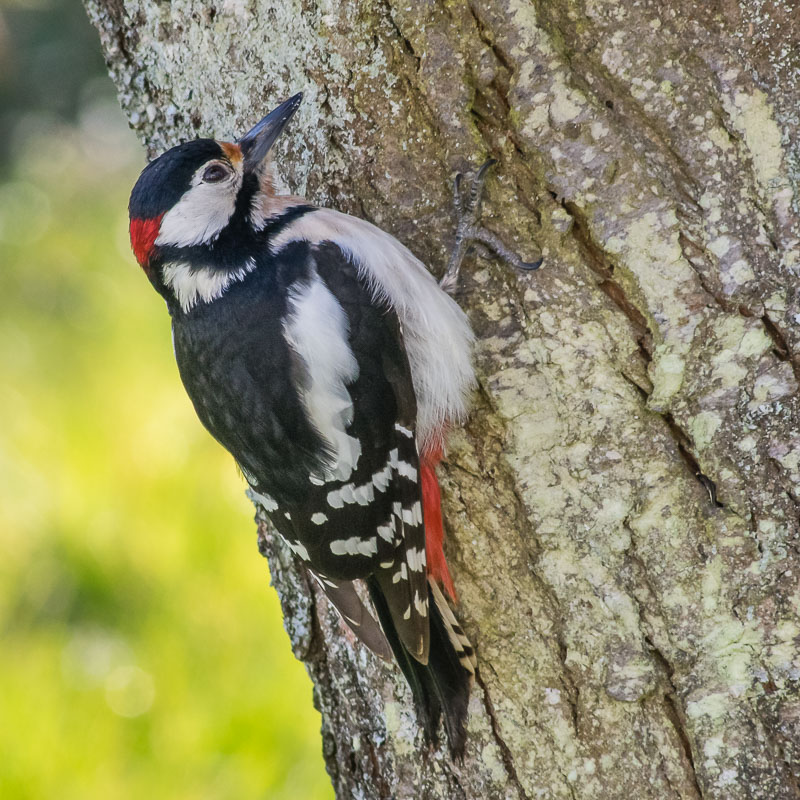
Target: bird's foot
468,208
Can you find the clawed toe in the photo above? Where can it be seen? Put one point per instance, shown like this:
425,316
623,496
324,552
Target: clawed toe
467,205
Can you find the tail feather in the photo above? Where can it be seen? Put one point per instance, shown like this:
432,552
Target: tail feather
442,686
458,639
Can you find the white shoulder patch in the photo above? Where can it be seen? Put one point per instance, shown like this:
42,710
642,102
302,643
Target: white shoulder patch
316,329
436,332
191,284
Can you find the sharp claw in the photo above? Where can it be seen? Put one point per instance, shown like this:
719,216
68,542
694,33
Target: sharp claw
490,162
529,266
457,200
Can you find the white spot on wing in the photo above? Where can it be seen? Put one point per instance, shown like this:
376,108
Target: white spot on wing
299,549
401,574
381,479
364,495
350,493
406,470
421,604
386,532
319,518
416,559
368,547
354,546
346,493
413,515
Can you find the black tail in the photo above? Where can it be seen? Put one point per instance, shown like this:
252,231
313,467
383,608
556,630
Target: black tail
441,686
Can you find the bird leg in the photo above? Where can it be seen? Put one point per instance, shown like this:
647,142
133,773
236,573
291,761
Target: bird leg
468,209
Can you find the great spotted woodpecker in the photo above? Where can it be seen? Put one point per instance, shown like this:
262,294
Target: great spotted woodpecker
324,356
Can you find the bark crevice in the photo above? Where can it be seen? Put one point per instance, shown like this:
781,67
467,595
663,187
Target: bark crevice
507,755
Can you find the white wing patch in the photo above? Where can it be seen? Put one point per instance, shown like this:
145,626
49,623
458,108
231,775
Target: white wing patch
436,333
316,329
191,284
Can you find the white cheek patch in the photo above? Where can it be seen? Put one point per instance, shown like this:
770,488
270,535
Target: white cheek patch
191,284
201,214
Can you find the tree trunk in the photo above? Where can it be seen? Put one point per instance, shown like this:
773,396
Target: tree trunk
622,506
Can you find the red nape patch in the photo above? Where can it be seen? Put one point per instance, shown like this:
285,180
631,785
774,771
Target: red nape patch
434,528
143,239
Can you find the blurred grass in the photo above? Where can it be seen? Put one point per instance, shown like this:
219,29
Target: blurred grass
141,649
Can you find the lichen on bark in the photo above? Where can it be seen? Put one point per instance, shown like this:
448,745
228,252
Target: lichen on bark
622,505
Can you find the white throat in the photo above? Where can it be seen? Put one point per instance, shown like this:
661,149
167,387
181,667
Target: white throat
192,285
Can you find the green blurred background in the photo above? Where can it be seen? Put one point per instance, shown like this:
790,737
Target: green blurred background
141,648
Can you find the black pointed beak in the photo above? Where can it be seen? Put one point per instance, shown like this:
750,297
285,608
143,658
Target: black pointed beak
256,143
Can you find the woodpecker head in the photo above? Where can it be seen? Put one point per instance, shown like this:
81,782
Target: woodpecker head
188,198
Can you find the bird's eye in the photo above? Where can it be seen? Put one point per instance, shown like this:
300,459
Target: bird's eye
215,173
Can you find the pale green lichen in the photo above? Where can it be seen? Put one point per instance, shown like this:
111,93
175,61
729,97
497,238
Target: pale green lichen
667,373
702,428
400,727
753,117
714,706
566,104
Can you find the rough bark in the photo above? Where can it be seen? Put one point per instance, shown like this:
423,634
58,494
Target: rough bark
623,504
